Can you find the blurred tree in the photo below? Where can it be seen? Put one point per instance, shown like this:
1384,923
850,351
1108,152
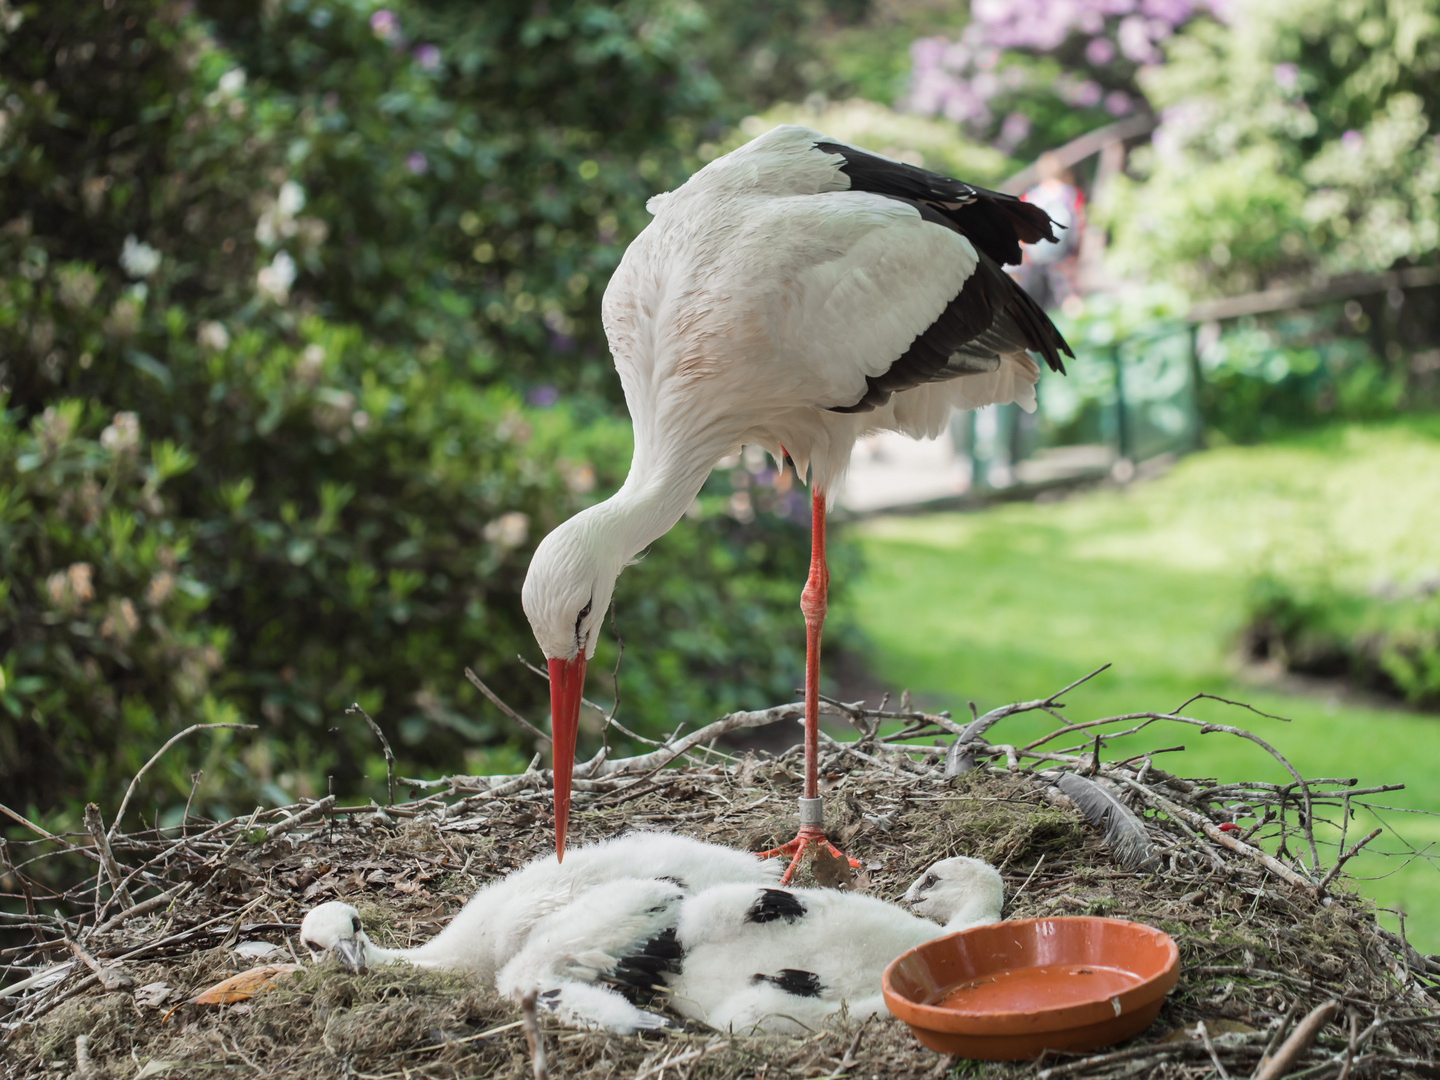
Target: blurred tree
272,288
1301,136
1029,76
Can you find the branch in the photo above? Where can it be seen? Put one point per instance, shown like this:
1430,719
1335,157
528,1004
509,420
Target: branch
506,709
385,745
125,802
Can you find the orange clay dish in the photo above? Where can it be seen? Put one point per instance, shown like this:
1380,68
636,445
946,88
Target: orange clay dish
1007,991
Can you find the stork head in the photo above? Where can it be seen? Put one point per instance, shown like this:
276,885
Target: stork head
336,927
958,892
566,595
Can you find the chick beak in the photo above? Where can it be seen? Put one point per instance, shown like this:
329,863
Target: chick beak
567,683
352,955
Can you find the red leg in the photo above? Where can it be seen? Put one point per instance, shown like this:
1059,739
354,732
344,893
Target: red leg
812,605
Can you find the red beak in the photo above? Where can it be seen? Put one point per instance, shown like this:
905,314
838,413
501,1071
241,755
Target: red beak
567,683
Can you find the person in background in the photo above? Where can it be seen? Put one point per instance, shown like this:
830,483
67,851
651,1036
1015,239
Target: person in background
1048,273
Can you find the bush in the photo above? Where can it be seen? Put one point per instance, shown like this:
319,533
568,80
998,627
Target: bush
265,448
1388,640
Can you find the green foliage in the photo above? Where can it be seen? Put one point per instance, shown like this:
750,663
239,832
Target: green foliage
1388,639
264,448
1263,378
1301,135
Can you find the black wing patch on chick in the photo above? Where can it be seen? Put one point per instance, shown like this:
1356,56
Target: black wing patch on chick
774,904
793,981
643,971
996,223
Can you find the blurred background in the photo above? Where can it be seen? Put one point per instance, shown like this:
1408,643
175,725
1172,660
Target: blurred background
300,357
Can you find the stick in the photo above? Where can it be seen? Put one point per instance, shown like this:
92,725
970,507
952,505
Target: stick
37,830
1210,1048
385,745
1299,1042
125,802
533,1038
1206,728
506,709
310,813
144,907
96,824
1340,862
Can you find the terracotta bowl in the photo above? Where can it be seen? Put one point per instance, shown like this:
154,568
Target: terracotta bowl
1007,991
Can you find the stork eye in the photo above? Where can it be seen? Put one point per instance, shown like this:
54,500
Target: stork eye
583,612
929,881
355,923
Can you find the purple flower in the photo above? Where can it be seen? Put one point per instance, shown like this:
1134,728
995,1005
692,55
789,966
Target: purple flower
1352,140
1088,93
1013,131
1135,41
384,24
1286,76
1100,51
1118,103
417,163
428,57
543,396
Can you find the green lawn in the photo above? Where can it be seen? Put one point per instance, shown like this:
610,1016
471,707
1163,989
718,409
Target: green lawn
1014,602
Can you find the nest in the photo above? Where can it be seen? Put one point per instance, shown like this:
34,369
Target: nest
1269,931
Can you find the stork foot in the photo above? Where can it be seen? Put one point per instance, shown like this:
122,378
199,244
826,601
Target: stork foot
809,837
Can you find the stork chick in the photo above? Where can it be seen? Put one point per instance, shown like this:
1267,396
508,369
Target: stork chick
556,928
782,960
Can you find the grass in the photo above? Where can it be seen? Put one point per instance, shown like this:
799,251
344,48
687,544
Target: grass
1014,602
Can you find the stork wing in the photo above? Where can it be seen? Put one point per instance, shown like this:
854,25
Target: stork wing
893,294
995,222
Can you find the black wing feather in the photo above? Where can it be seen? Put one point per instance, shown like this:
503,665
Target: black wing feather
793,981
996,223
774,904
644,971
991,316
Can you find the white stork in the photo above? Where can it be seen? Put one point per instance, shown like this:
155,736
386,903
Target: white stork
796,293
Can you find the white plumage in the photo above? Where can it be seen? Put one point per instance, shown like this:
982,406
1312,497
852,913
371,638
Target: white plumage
782,960
553,928
724,946
795,294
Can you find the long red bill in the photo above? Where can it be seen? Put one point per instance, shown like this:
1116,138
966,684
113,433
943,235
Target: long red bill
567,683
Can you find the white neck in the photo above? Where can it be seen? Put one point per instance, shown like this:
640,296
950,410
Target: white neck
976,911
653,498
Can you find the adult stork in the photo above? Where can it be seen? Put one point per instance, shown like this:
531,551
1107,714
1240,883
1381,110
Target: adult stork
796,293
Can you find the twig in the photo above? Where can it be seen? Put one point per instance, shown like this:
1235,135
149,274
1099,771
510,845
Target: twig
1275,1037
1210,1049
1299,1042
310,813
384,743
972,731
1033,871
1088,1065
506,709
144,907
533,1038
38,831
666,754
1206,728
96,824
1340,862
125,802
